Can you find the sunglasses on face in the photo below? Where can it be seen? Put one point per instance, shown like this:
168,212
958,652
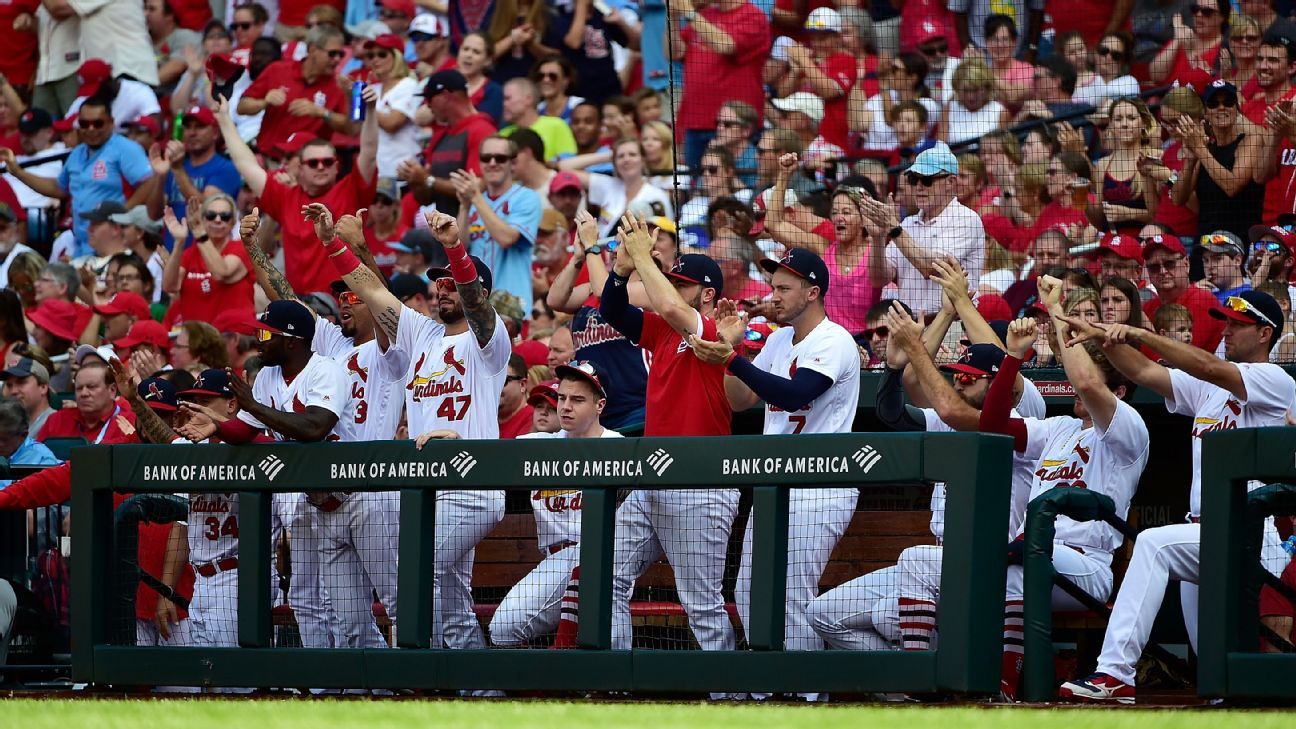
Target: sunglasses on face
1204,10
1167,267
883,332
1217,102
1242,306
934,50
350,298
91,123
513,378
1116,56
497,159
915,179
374,56
547,76
445,284
212,215
240,26
320,163
337,54
384,13
421,37
1245,38
1267,245
966,379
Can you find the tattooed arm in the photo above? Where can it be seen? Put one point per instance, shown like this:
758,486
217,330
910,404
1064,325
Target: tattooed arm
477,309
385,307
150,426
272,281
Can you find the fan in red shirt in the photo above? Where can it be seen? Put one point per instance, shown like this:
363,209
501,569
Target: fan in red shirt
823,68
515,413
1167,267
97,412
18,62
317,181
301,96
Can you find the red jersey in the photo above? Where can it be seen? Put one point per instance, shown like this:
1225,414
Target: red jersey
278,124
191,14
712,79
921,17
18,62
67,423
1280,192
1090,17
518,424
1207,331
1181,219
202,297
381,248
1255,105
685,395
152,555
843,70
305,265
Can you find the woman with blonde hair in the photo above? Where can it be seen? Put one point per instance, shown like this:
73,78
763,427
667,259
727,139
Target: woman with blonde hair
972,111
399,97
1002,155
658,142
1238,59
214,274
1128,197
1178,103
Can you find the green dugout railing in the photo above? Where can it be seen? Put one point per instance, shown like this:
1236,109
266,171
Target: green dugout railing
975,467
1229,664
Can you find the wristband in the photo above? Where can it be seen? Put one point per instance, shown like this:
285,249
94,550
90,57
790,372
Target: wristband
461,266
334,247
202,238
618,279
895,232
344,262
730,360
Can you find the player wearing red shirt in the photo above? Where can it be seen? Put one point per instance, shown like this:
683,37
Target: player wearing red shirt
305,265
301,96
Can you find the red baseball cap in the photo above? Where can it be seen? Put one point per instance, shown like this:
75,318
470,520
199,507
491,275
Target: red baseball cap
1277,232
929,31
149,123
544,392
92,74
405,7
565,180
65,125
222,68
1124,246
1169,242
532,351
125,302
145,331
994,307
202,114
390,41
235,322
58,317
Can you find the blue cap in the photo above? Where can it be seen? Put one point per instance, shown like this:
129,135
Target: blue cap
1217,87
159,394
1252,307
699,269
416,240
804,263
211,382
483,273
290,318
982,360
938,160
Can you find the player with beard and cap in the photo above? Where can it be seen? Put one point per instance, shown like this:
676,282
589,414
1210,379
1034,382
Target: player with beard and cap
453,371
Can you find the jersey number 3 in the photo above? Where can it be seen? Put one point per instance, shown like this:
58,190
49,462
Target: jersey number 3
447,410
215,529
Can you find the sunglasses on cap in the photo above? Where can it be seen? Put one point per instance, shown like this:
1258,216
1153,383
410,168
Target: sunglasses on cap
755,336
967,379
320,162
1242,306
882,331
1217,240
350,298
915,179
587,369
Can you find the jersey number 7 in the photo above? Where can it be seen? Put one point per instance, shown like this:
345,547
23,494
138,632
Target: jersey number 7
446,410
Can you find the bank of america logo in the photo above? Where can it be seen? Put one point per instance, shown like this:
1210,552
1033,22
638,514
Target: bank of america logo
660,460
866,458
271,466
463,463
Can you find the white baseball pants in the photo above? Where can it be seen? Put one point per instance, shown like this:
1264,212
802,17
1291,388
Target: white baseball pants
213,611
359,542
860,615
463,518
532,607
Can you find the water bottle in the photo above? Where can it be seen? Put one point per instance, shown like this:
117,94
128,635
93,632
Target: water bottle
357,101
177,127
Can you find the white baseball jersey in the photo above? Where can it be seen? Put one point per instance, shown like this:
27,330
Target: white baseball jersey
322,383
450,381
829,350
558,511
213,527
1269,393
1031,405
377,399
1109,462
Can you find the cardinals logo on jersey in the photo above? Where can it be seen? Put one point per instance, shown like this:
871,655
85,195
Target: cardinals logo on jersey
353,366
1203,425
297,405
428,386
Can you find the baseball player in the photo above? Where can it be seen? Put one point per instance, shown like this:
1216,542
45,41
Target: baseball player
453,372
1104,447
1241,391
685,397
808,376
531,608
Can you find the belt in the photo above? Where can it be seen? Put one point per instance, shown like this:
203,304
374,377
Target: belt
560,546
211,569
331,502
1194,519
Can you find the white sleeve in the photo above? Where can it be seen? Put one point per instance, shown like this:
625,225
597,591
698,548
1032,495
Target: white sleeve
392,364
1269,390
404,97
1038,434
495,355
409,329
1186,393
934,423
601,188
328,339
830,356
327,388
1126,434
1031,404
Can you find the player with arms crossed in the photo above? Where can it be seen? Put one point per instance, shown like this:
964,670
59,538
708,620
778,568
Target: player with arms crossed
531,609
1241,391
1104,447
453,372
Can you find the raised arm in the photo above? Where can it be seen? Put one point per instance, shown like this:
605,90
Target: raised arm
240,154
1083,373
953,280
272,281
386,308
996,413
47,186
150,426
951,408
564,295
780,229
367,161
666,301
477,309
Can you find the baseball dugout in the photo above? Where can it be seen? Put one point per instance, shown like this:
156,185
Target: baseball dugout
974,467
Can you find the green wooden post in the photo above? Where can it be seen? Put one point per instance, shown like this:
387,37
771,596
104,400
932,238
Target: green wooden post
417,562
769,567
254,623
92,543
597,545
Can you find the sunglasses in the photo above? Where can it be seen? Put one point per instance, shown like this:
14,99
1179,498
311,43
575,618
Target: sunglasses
1116,56
497,159
547,76
375,56
883,332
337,54
445,284
211,215
1267,245
1204,10
1245,38
91,123
915,179
1168,266
966,379
384,13
934,50
421,37
710,169
513,378
755,336
319,163
1053,171
1217,240
1217,102
264,335
350,298
240,26
1242,306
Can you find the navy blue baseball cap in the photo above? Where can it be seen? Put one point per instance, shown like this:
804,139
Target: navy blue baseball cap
698,269
417,240
159,394
804,263
483,273
982,360
289,318
1252,307
1217,87
212,382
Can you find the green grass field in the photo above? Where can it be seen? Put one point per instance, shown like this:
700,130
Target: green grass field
315,714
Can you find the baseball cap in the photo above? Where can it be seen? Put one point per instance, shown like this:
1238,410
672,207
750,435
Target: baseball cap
584,370
58,317
159,394
1252,307
416,240
804,263
483,273
322,303
565,180
448,80
1121,246
293,143
231,321
202,114
103,211
145,331
699,269
430,25
138,216
532,351
371,28
758,333
405,7
124,302
935,161
388,187
544,392
390,41
147,123
824,20
92,74
993,307
1222,241
214,381
33,120
104,353
1169,242
665,225
1277,232
27,367
1218,87
803,102
288,318
405,285
551,220
982,360
65,125
929,31
507,305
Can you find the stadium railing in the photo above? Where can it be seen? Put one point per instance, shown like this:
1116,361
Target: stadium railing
970,615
